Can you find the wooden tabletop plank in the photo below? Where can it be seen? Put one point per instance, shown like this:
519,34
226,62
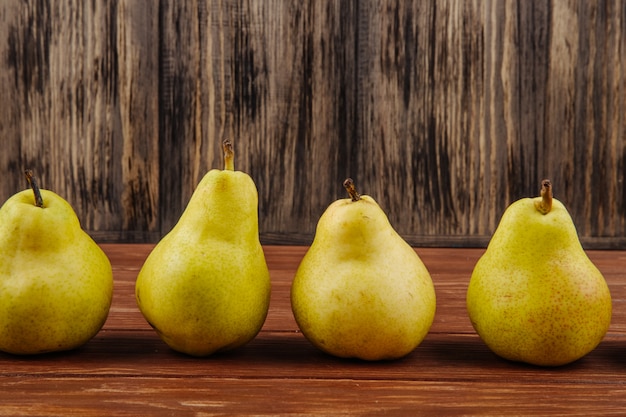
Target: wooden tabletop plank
127,370
288,397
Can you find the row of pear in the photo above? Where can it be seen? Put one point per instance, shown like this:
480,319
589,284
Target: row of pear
360,290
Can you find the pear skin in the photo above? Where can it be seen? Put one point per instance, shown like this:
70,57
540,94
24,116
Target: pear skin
205,287
361,291
534,296
56,283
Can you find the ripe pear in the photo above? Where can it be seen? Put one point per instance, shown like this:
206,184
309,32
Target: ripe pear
361,291
205,287
534,296
56,283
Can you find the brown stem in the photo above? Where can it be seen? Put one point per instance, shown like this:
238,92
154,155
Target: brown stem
348,184
545,204
33,184
229,155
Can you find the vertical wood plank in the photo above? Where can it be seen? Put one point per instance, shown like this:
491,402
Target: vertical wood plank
11,180
182,80
27,41
561,99
584,85
137,42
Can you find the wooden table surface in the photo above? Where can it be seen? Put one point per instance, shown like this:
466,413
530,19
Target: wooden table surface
127,370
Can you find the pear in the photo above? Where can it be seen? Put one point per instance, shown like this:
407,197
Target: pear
56,283
534,296
205,287
361,291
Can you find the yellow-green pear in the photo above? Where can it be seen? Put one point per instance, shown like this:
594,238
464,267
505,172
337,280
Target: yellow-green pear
534,296
205,287
55,281
361,291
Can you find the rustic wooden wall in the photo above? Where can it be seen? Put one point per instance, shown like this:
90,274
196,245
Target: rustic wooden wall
445,111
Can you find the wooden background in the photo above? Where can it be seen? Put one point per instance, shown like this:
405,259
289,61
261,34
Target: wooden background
444,111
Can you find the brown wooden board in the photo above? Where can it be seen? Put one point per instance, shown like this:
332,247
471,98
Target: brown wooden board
127,370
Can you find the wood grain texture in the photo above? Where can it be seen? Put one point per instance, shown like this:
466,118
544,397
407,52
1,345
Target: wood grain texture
83,113
127,370
445,112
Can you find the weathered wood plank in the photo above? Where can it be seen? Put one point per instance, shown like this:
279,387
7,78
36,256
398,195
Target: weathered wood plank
84,108
186,96
585,80
11,179
270,397
137,30
443,111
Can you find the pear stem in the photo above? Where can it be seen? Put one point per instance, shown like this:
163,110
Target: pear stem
348,184
33,184
545,205
229,155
